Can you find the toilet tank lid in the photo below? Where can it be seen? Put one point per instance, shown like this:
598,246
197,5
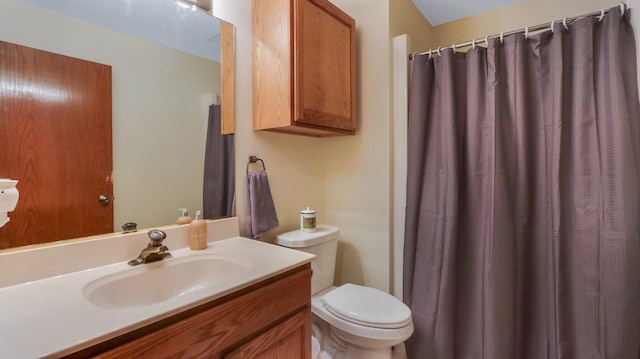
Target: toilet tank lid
300,239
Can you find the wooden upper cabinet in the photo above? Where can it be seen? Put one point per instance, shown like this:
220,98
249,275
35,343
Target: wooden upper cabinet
303,68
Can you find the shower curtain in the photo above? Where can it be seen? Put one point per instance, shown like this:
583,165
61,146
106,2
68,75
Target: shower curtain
523,209
219,169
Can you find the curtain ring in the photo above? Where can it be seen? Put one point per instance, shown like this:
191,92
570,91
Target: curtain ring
601,15
486,40
564,23
473,44
454,48
438,50
622,8
552,30
429,54
526,32
501,37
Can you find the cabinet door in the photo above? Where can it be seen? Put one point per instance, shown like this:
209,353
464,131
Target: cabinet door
272,54
289,339
324,66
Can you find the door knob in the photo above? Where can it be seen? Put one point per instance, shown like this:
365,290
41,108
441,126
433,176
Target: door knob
104,200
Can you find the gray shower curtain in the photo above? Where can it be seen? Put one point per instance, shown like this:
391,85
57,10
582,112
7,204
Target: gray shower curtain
523,208
219,169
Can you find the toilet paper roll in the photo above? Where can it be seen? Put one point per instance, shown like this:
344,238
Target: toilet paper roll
8,199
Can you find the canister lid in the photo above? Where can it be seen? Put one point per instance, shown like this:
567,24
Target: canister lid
300,239
308,211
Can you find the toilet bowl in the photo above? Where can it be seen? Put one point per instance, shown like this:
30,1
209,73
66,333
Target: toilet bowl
349,321
367,322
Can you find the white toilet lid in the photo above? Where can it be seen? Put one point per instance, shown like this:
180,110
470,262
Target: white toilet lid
367,306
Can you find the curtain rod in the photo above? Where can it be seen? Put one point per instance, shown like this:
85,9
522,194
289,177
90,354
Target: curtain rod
526,30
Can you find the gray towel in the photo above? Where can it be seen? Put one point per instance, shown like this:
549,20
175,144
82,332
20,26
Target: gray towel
261,213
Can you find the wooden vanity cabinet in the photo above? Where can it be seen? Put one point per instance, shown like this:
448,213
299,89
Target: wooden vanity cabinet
304,79
271,319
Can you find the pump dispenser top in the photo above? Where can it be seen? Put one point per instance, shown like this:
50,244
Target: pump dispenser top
184,217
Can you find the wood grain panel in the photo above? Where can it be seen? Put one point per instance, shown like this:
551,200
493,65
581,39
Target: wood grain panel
326,65
228,326
289,339
228,59
55,138
272,63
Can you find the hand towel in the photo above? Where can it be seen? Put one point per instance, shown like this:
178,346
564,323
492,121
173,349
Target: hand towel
261,213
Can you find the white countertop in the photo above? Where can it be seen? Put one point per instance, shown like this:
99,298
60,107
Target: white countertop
51,317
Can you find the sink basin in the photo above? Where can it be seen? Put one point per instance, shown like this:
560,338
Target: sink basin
164,280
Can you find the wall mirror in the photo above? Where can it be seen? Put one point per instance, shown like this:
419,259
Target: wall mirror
164,80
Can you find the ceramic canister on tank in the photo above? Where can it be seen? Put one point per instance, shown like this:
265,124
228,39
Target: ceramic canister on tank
308,220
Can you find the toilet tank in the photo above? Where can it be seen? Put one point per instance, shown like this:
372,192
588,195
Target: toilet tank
323,243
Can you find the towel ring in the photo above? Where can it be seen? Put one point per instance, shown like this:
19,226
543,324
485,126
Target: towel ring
254,159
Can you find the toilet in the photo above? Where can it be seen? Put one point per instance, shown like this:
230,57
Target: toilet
350,321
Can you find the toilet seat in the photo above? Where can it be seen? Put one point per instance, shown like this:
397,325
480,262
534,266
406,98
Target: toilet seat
367,306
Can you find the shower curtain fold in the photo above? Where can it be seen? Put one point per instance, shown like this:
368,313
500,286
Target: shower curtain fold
219,169
522,234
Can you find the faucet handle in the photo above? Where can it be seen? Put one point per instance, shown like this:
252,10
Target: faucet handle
157,236
129,227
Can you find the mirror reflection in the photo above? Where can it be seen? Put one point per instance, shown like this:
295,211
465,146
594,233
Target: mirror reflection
161,101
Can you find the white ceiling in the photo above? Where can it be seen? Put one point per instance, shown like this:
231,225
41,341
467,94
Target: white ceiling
438,12
160,21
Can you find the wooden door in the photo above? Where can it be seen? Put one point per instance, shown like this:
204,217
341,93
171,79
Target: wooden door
55,138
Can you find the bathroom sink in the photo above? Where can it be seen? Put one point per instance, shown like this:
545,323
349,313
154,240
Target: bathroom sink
164,280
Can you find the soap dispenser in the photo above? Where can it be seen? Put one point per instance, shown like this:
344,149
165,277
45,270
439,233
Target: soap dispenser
184,217
198,233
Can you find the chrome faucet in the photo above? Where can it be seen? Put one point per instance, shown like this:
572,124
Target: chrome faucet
129,227
155,251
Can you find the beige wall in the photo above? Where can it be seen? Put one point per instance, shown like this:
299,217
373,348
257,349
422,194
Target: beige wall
405,18
295,164
357,177
160,109
515,16
347,178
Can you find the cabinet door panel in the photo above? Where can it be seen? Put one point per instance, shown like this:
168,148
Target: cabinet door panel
272,84
324,66
289,339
